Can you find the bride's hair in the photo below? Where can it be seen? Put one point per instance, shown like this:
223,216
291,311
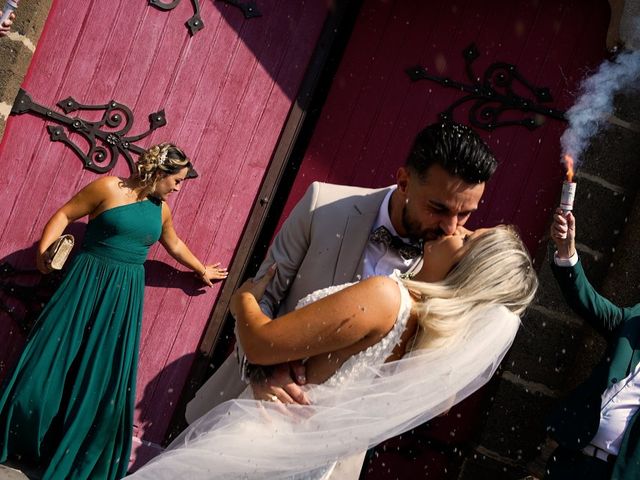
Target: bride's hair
496,270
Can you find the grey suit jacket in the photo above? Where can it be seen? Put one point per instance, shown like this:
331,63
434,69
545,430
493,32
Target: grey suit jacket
320,244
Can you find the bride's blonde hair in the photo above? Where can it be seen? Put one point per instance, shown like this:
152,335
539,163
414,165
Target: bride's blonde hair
496,270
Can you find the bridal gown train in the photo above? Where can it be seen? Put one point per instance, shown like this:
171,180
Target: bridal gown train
365,402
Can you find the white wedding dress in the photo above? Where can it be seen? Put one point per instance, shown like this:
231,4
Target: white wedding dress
362,404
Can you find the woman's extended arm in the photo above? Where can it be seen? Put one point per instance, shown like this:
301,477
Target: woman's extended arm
365,310
576,288
179,250
82,203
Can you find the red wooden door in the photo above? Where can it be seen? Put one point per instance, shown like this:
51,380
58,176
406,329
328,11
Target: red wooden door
374,111
226,92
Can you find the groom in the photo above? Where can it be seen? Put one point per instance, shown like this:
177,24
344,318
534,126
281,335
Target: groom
338,234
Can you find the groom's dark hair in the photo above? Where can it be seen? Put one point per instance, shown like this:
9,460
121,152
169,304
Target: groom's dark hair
456,148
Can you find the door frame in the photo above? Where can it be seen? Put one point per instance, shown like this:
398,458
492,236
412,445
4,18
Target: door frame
272,196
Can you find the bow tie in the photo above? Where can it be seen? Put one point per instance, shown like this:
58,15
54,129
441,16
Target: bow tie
406,251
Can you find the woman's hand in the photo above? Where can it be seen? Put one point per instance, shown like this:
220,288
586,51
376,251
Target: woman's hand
213,273
563,233
258,287
42,264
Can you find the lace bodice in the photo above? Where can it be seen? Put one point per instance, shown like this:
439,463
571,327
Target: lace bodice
357,366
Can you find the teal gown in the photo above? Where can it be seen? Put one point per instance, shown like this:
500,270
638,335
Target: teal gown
68,405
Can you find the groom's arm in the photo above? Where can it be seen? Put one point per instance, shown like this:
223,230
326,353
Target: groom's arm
288,251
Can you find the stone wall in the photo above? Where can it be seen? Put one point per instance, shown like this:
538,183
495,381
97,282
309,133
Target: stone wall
16,50
555,350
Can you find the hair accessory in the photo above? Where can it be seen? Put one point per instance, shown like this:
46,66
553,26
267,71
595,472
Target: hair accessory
163,155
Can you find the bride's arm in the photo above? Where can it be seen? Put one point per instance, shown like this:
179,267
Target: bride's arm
365,310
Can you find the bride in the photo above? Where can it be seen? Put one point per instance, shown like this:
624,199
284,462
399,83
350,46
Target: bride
383,355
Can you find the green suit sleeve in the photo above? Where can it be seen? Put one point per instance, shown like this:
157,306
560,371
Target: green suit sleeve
585,300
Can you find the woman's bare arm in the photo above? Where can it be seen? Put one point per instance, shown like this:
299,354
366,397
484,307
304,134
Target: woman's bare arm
81,204
366,309
179,250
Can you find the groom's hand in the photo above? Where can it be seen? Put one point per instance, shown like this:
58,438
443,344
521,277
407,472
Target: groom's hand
280,386
257,287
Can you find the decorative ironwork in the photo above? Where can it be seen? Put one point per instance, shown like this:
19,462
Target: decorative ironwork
494,94
104,146
249,9
195,23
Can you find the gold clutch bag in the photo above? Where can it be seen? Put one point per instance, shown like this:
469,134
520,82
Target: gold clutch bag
59,251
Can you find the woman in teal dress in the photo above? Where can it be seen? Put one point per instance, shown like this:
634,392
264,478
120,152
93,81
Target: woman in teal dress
68,405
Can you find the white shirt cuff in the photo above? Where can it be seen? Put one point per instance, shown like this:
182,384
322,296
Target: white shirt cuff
565,262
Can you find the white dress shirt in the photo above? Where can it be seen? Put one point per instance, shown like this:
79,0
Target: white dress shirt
379,259
619,402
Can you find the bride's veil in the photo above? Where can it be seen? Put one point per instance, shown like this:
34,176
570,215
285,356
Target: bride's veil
263,440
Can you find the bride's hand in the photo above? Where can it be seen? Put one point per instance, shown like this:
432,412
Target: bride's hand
257,287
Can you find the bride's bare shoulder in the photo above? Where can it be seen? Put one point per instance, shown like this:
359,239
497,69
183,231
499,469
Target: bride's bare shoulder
381,282
380,293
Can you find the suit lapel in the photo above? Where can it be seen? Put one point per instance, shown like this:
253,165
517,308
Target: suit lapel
351,255
356,234
625,355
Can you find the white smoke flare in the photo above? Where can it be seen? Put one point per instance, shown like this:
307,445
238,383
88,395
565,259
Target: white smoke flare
595,104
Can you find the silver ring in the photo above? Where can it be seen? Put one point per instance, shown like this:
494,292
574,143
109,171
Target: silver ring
273,398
